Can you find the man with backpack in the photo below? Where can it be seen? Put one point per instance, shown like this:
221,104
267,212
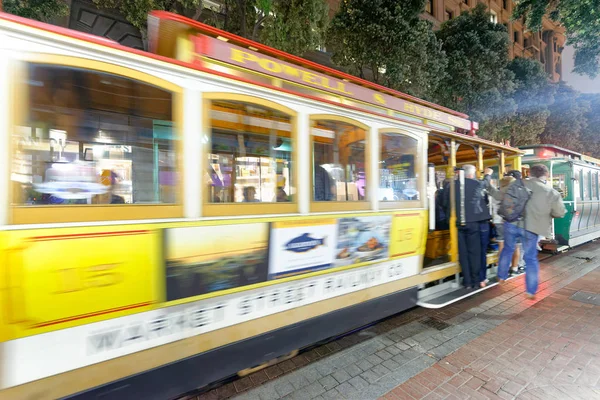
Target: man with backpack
527,207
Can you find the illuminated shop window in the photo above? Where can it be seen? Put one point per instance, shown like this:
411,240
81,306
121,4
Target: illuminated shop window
89,137
250,157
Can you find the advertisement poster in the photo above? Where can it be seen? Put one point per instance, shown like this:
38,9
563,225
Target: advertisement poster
301,246
207,259
408,234
362,239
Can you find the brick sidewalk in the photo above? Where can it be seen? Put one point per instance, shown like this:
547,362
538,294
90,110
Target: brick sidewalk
428,349
549,351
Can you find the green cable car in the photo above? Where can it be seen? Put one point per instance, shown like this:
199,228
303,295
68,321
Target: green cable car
575,176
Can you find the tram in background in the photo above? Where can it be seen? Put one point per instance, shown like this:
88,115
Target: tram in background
575,176
170,218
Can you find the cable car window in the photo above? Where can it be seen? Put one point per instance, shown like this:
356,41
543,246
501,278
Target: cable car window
398,169
558,183
339,166
92,137
250,160
577,175
594,185
585,184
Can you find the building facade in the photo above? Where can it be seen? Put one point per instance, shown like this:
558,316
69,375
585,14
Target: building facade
545,46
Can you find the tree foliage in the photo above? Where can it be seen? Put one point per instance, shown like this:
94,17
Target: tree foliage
296,26
477,80
293,26
386,41
567,119
41,10
590,134
136,11
533,95
581,19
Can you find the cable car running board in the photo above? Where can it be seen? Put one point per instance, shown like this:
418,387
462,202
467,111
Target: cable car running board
445,298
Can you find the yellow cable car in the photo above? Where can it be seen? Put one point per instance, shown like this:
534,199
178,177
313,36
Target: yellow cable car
173,217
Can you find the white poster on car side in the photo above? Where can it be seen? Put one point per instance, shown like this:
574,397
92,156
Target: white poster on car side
301,246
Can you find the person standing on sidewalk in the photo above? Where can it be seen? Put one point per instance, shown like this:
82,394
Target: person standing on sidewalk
544,204
471,225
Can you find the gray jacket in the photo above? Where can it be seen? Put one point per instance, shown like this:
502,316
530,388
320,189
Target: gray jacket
544,204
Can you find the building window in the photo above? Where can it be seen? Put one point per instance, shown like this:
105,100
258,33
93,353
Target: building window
449,15
516,36
505,4
93,137
465,2
399,177
429,7
250,160
339,164
493,17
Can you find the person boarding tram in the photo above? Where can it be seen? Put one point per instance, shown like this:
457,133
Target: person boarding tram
471,225
498,221
535,218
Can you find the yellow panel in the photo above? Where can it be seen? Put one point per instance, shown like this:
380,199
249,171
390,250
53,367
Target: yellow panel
408,234
55,279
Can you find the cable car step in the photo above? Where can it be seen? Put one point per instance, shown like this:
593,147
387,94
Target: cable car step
452,295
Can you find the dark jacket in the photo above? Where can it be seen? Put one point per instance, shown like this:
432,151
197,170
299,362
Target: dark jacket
476,201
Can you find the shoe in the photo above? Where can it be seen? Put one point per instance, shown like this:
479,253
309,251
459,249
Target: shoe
530,296
501,281
484,283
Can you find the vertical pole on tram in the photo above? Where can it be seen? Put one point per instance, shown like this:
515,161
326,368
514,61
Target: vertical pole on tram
453,230
431,190
480,161
461,184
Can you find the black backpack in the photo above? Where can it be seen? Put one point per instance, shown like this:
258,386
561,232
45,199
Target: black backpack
512,206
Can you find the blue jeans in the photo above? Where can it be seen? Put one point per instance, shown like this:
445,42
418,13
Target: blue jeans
529,244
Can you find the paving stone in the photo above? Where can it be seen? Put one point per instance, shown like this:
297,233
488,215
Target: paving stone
346,389
332,394
311,374
373,359
371,376
390,364
315,389
384,355
298,380
402,346
283,387
353,370
364,365
358,382
325,368
393,350
300,395
341,376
